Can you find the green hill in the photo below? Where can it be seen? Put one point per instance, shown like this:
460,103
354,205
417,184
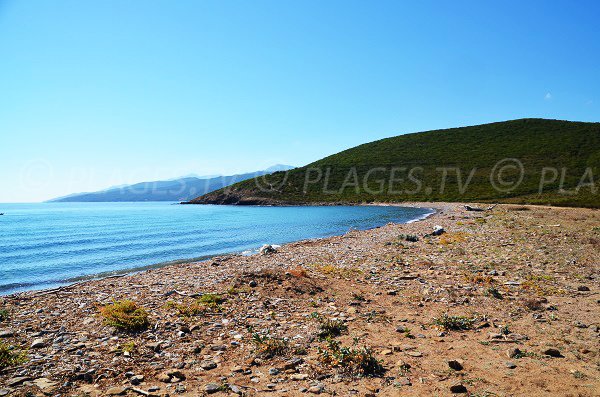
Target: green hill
521,161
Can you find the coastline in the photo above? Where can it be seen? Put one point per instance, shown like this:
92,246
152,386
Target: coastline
388,292
53,285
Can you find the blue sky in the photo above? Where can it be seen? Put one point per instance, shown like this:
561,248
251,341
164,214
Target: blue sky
100,93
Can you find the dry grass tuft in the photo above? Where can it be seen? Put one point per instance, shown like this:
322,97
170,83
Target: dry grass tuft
125,315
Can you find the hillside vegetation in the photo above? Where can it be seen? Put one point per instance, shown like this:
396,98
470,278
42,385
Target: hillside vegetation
520,161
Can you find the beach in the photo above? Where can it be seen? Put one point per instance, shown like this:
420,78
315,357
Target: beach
503,302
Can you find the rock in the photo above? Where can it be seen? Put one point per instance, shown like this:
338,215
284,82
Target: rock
38,343
273,371
392,292
510,364
7,333
252,284
583,288
455,365
403,381
438,230
44,384
164,378
552,352
211,388
4,392
17,381
458,388
299,377
414,354
386,352
155,347
117,391
208,365
136,379
579,324
512,353
267,249
317,389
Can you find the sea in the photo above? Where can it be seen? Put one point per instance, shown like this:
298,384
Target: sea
45,245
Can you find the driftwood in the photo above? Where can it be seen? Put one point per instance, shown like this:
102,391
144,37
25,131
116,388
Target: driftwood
477,209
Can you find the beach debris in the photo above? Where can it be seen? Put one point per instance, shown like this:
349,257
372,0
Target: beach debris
267,249
477,209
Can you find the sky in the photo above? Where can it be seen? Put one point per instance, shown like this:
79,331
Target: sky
101,93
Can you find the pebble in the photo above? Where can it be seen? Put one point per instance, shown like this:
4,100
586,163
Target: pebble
455,365
458,388
512,353
208,365
510,364
299,377
552,352
38,343
211,388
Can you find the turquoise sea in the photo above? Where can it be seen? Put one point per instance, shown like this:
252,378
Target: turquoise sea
48,244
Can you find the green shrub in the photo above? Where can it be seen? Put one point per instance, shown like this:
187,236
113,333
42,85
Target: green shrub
3,315
454,322
349,360
267,346
125,315
329,328
10,357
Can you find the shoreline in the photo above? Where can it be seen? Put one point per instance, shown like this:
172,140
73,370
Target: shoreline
390,294
77,280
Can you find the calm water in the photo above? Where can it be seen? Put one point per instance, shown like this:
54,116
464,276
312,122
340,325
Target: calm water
48,244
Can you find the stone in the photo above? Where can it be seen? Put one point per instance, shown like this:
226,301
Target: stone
252,284
17,381
212,388
208,365
7,333
414,354
136,379
552,352
455,365
117,391
38,343
583,288
267,249
317,389
236,390
386,352
458,388
438,230
512,353
44,384
299,377
403,381
510,364
273,371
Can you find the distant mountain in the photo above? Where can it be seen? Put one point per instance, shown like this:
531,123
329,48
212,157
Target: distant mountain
534,161
181,189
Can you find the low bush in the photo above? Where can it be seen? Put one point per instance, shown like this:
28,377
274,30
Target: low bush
267,346
456,323
9,357
350,360
125,315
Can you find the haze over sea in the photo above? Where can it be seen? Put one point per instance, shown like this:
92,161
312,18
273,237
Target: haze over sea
49,244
